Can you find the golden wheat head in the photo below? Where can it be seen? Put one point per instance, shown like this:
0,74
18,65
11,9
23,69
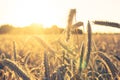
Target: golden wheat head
13,66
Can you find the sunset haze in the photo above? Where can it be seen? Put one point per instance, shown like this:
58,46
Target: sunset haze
21,13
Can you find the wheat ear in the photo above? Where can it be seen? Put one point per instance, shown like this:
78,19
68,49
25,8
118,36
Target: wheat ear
69,25
107,23
76,25
14,50
110,65
13,66
46,65
89,43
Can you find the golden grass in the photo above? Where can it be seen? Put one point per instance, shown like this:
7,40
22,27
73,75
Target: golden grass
35,59
50,57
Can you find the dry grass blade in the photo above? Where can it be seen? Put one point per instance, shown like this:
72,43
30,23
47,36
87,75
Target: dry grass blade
44,44
69,25
78,24
46,65
81,57
106,23
111,66
13,66
89,43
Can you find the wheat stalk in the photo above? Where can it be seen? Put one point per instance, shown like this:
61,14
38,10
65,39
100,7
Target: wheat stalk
61,71
14,50
111,66
59,75
27,58
46,65
89,43
66,48
81,57
94,45
69,25
107,23
76,25
54,76
13,66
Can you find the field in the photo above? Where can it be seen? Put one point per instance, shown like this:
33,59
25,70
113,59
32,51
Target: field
69,55
51,57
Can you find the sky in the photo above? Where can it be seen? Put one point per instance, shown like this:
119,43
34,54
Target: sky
49,12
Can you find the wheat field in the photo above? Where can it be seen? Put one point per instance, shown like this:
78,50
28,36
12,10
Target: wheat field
64,56
45,57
